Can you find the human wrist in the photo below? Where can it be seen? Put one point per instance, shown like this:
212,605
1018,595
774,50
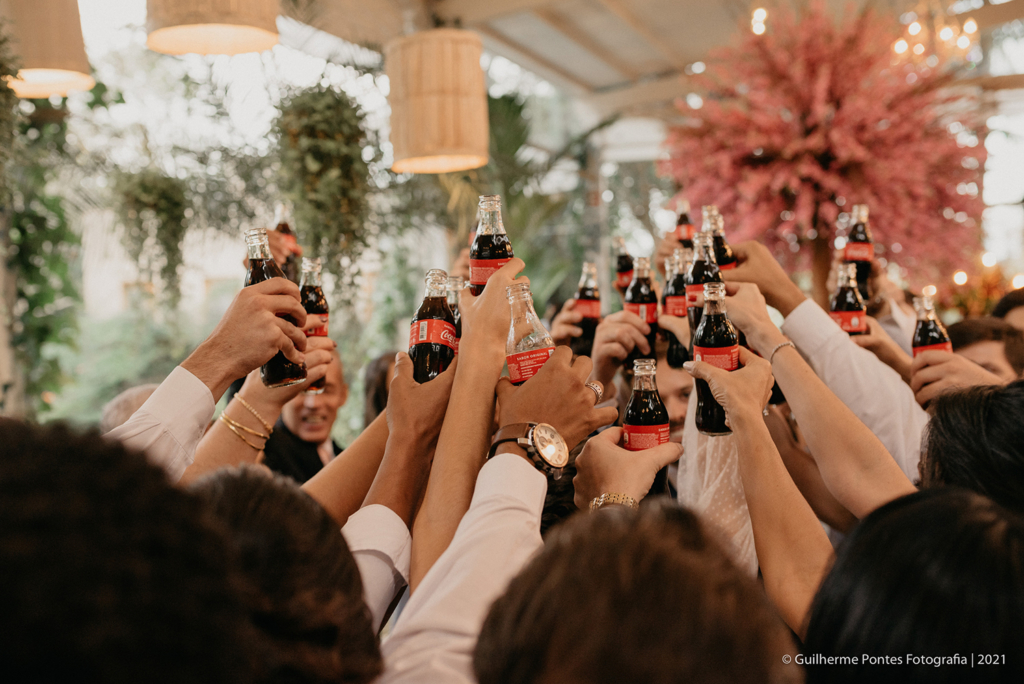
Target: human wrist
787,298
765,338
511,448
206,365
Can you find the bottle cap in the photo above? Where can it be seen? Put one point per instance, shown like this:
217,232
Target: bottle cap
644,366
714,290
311,264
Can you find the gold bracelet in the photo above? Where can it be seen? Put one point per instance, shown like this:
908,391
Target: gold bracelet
270,428
254,433
239,434
617,499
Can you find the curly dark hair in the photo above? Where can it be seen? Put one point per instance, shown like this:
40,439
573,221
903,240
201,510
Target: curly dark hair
110,574
299,578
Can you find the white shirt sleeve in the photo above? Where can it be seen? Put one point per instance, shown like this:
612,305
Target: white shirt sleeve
168,427
434,639
874,392
381,545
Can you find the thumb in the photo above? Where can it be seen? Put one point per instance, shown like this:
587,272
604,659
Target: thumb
702,370
612,435
447,378
403,367
663,454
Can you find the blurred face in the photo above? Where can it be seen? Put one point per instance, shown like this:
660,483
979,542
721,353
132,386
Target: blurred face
310,417
674,386
991,356
1015,318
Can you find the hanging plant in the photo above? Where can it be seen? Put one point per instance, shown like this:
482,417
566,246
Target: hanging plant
325,153
8,111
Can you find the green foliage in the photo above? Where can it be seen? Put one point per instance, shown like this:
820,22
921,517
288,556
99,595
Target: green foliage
8,109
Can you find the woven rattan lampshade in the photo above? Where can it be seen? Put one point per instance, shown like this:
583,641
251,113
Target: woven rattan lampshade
438,102
211,27
46,35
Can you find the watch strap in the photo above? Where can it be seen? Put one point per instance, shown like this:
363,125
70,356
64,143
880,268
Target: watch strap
510,433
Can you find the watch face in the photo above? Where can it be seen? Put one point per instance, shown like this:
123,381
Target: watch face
550,445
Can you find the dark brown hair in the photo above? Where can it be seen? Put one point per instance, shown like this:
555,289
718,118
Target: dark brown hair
375,386
974,330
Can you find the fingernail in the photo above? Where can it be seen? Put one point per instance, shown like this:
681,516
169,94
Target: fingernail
688,366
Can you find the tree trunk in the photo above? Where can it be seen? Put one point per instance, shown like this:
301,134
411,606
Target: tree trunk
12,375
821,265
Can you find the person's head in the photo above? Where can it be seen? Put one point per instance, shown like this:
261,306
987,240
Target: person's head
975,440
935,573
377,381
297,576
310,417
118,410
675,386
1011,308
992,343
110,574
632,596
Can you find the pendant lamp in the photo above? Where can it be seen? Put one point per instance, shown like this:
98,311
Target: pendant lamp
211,27
46,36
438,102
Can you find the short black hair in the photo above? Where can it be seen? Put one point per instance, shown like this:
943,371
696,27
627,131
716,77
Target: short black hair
989,329
632,596
935,573
1009,301
298,578
110,574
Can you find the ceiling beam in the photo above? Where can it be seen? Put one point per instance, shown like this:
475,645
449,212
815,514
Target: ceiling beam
585,41
522,55
990,16
475,12
639,95
620,9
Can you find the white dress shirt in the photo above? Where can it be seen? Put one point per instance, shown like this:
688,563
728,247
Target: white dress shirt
874,392
435,636
381,545
169,426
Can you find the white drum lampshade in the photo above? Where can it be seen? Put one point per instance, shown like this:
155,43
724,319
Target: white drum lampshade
438,102
46,36
211,27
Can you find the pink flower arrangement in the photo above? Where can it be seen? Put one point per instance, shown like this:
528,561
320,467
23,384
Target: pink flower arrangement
811,118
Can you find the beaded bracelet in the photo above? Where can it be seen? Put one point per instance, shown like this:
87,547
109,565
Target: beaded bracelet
243,402
618,499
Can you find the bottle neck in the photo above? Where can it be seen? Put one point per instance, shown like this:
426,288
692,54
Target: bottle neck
490,221
644,382
310,279
713,306
702,252
259,248
522,306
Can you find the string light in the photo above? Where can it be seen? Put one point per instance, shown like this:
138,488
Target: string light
1018,281
760,14
988,259
919,49
757,27
946,33
970,26
960,278
914,29
929,290
900,47
963,42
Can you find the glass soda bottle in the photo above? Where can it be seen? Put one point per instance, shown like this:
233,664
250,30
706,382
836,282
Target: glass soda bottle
860,249
432,340
716,342
282,224
685,230
278,371
455,285
714,226
491,248
929,334
703,269
314,301
588,304
645,423
673,303
623,265
528,345
642,300
847,308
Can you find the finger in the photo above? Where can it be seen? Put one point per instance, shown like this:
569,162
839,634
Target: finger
679,327
930,391
749,358
403,368
444,381
926,376
562,357
604,416
325,343
317,358
314,321
281,305
561,331
570,305
294,333
702,370
612,435
616,351
635,321
630,338
663,454
504,388
582,366
509,271
569,316
286,346
316,372
276,286
929,358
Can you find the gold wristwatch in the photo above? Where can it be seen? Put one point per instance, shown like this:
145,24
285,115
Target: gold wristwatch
543,445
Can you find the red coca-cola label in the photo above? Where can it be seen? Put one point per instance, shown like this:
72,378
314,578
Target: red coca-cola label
685,232
624,278
675,305
480,270
589,308
692,292
859,251
640,437
432,331
944,346
321,330
524,365
850,321
727,267
726,358
456,346
648,313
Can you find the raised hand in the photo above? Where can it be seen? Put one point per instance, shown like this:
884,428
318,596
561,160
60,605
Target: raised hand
604,467
665,249
748,311
758,266
743,391
936,372
614,339
281,247
485,319
878,342
414,409
563,325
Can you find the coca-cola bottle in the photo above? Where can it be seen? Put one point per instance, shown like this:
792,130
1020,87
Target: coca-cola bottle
623,265
528,345
491,248
673,303
703,269
645,423
847,308
432,340
314,301
588,304
929,334
278,371
716,342
455,285
685,230
714,226
860,249
282,224
642,300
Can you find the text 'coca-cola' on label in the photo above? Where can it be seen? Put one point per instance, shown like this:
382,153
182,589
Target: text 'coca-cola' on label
648,313
850,321
524,365
675,305
623,278
726,358
692,293
942,346
859,251
432,331
321,330
588,308
640,437
480,270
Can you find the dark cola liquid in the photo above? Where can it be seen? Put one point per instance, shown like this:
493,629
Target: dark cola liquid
314,301
723,252
457,315
684,231
701,272
623,263
278,371
860,233
584,344
928,333
714,331
488,247
646,408
678,354
430,359
846,299
291,263
641,292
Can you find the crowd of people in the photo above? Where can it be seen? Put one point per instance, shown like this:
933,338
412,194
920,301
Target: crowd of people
868,529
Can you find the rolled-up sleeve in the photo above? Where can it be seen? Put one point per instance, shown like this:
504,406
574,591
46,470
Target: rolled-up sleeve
381,545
